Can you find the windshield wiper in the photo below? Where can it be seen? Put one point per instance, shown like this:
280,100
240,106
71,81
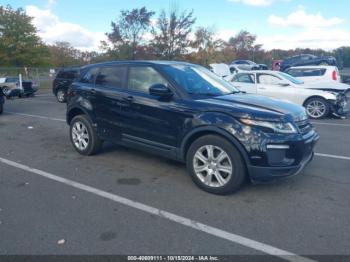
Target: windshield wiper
205,94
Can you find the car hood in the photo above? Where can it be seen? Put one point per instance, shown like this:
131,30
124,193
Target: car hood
327,86
258,107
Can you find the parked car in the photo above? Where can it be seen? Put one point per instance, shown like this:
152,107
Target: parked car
187,113
11,87
2,101
315,73
62,81
307,60
318,103
234,69
249,65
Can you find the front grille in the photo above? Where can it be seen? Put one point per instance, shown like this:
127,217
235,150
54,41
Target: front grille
304,126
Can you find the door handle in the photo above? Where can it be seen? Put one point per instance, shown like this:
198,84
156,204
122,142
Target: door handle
262,88
93,91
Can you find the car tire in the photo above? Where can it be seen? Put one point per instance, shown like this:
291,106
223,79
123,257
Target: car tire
83,136
1,108
61,96
212,174
317,108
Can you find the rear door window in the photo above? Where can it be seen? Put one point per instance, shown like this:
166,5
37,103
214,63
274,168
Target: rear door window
267,79
245,78
112,76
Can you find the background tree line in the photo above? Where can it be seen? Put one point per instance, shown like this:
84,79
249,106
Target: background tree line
138,34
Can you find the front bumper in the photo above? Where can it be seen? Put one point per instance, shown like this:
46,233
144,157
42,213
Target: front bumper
279,167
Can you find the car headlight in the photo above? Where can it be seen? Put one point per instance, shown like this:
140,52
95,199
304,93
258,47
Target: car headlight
271,127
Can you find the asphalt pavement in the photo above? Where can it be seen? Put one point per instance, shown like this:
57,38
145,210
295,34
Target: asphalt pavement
122,201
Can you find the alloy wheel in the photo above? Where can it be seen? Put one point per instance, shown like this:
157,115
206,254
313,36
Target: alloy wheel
212,166
316,109
60,96
80,136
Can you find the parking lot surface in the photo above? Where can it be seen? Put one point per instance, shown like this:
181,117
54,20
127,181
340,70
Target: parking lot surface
40,214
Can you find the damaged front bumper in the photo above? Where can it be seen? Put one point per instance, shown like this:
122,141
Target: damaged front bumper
341,106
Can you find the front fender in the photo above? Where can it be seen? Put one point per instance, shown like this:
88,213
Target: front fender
214,123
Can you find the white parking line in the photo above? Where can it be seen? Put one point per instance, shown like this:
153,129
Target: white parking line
166,215
330,124
36,116
333,156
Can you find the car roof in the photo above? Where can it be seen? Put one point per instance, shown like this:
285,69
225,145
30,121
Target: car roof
138,62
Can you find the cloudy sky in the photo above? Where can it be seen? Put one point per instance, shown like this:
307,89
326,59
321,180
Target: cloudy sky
277,23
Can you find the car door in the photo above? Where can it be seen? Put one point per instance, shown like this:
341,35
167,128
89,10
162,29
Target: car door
108,95
273,86
150,122
245,82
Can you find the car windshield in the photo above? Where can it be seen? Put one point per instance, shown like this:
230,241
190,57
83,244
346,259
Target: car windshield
291,78
197,80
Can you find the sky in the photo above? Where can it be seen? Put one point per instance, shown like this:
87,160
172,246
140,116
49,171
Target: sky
280,24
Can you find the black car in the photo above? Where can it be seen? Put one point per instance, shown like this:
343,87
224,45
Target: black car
306,60
2,101
187,113
62,81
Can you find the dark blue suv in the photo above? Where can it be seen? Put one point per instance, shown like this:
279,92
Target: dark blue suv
185,112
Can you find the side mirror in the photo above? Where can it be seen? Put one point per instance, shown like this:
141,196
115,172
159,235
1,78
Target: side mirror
160,90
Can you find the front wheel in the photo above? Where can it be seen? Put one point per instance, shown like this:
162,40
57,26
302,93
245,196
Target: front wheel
83,136
215,165
1,108
317,108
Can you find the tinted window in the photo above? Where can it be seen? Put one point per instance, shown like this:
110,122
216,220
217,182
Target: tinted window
89,76
68,74
11,80
314,72
295,72
142,78
268,79
245,78
113,76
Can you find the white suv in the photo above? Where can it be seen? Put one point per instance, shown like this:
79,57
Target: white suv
315,73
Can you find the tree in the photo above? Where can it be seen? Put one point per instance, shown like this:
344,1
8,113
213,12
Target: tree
19,43
128,32
171,35
244,45
64,55
206,46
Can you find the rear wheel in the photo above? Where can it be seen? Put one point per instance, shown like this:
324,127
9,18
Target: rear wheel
83,136
61,96
215,165
1,108
317,108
